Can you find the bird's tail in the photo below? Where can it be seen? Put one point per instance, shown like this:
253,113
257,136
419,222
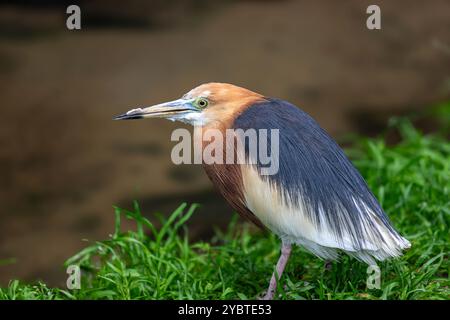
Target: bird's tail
381,241
391,250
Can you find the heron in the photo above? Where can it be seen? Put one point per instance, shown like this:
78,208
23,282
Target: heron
317,199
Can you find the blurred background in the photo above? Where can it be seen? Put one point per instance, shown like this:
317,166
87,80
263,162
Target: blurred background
64,163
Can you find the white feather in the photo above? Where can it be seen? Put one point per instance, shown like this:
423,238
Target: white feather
293,225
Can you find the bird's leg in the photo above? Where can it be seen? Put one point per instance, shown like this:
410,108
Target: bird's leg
328,265
285,253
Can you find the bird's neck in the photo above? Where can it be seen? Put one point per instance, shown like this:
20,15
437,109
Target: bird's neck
213,140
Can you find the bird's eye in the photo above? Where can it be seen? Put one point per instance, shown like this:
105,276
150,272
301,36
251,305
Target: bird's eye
202,103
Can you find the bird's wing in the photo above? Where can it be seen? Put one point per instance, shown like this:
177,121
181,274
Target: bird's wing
322,196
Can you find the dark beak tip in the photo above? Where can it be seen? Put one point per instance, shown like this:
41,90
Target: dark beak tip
119,117
126,116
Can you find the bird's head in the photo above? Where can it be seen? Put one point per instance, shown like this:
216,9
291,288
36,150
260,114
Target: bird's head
205,104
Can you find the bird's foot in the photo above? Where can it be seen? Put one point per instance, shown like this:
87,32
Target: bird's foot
268,296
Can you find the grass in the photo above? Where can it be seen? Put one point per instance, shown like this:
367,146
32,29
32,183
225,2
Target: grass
411,180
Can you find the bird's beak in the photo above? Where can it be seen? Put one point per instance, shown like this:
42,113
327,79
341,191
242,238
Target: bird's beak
170,109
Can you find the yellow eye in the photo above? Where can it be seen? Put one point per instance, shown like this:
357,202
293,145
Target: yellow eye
202,103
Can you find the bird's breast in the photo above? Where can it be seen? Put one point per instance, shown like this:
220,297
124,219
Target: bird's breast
265,199
226,176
